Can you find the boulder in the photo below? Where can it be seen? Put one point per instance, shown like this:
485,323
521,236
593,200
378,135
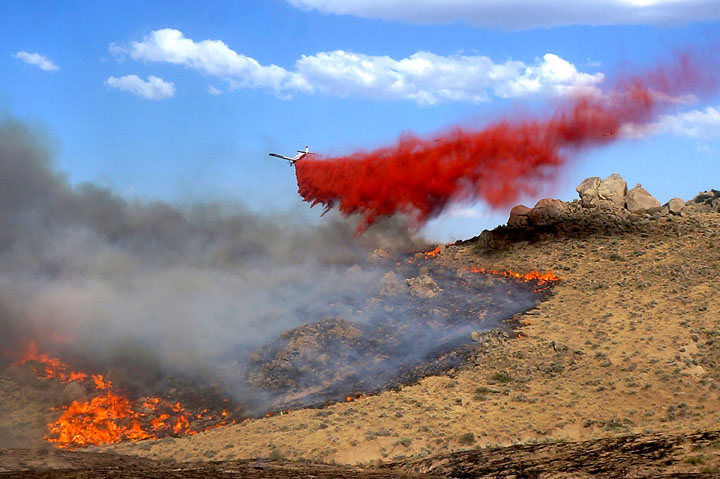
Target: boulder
588,191
638,200
613,190
518,216
546,210
485,239
423,286
675,206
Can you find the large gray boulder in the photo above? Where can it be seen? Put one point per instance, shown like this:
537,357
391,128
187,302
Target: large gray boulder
613,190
638,200
588,191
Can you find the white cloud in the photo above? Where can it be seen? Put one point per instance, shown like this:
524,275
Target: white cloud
212,57
153,89
428,78
703,124
424,77
214,91
551,76
521,14
37,60
695,124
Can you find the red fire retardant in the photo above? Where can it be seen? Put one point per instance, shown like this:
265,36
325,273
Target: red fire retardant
498,164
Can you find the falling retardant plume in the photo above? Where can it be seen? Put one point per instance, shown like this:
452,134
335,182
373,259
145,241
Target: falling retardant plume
421,177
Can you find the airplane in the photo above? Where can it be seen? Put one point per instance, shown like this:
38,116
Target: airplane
301,155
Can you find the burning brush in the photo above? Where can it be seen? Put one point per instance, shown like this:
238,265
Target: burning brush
400,334
109,416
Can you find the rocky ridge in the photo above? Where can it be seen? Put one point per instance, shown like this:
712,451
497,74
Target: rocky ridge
604,205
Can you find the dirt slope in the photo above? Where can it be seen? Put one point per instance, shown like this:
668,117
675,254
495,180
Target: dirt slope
626,345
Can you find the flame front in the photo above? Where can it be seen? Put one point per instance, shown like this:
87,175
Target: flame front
105,419
109,417
47,366
540,277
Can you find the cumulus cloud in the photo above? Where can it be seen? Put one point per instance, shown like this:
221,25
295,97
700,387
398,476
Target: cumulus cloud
424,77
701,124
505,14
153,89
695,124
37,60
212,57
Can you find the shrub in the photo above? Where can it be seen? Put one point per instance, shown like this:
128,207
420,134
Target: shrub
467,439
501,377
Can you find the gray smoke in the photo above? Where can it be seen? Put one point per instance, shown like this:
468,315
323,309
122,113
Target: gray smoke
190,288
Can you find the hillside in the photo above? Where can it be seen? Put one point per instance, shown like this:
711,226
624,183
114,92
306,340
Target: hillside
627,344
626,349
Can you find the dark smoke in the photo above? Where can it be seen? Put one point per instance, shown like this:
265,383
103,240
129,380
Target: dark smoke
497,164
86,272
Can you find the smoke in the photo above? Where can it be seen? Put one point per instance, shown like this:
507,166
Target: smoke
88,273
497,164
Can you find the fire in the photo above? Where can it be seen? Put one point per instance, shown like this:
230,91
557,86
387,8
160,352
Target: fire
105,419
434,253
51,367
110,417
541,278
100,382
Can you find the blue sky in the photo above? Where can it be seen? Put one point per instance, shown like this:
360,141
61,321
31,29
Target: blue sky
182,101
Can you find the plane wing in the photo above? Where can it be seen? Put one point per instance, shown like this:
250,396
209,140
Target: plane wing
281,156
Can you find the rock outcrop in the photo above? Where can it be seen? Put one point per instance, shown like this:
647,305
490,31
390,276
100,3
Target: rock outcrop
606,206
588,191
638,200
613,190
707,200
518,216
610,195
546,210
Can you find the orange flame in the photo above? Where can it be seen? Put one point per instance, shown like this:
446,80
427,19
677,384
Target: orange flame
541,278
108,417
51,367
105,419
433,253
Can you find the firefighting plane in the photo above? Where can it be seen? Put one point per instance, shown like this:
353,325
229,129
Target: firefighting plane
300,155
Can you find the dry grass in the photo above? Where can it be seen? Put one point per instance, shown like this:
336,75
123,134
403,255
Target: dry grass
626,344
